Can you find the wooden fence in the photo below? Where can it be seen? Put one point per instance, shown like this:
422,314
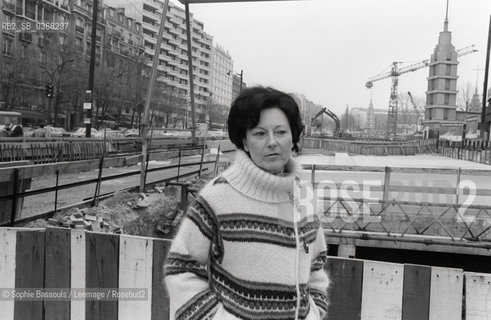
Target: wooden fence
470,150
69,149
58,260
44,150
377,148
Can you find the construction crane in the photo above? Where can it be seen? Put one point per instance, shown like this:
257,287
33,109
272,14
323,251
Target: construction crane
394,73
418,112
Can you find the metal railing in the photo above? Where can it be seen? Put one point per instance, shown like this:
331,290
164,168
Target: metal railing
16,195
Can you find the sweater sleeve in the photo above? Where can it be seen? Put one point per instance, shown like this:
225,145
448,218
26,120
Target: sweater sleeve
319,280
186,275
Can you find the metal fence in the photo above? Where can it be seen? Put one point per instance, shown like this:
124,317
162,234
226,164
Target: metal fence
17,177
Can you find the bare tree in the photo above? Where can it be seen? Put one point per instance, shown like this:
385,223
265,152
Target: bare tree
64,69
17,73
464,96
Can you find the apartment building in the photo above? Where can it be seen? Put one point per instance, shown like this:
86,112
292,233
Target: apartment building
221,76
173,79
124,63
27,46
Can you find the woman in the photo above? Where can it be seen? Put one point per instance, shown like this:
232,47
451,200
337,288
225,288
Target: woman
243,251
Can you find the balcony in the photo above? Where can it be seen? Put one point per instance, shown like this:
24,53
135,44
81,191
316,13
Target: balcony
116,33
152,15
150,27
79,29
7,6
153,4
25,36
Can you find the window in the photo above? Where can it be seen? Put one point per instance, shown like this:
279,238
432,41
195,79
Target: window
7,45
430,114
445,114
23,51
447,84
42,57
31,10
449,70
79,45
447,99
61,39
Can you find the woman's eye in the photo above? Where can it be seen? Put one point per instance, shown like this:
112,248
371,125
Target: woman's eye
281,132
259,133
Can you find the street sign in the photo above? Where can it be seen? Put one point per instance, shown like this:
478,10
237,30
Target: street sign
88,100
86,120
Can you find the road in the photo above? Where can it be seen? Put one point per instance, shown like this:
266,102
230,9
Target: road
37,204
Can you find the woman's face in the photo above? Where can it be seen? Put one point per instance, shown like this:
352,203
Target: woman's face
270,143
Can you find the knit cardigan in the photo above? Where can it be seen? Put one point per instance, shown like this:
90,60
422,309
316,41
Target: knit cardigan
237,254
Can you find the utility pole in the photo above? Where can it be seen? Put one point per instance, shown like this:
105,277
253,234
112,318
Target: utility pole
146,111
485,89
191,76
241,80
88,117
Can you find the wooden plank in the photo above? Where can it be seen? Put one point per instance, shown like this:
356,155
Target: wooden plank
102,268
446,293
77,277
160,296
64,167
343,168
29,273
475,172
57,271
382,291
345,291
477,296
8,242
135,272
416,292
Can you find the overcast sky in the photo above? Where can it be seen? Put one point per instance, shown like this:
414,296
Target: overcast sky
327,49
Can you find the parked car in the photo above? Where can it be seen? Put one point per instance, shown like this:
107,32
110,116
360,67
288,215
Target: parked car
56,132
110,134
131,133
80,132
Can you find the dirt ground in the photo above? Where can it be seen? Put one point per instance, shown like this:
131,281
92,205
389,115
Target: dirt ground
154,213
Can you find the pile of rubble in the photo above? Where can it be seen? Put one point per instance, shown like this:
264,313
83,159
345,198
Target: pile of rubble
156,213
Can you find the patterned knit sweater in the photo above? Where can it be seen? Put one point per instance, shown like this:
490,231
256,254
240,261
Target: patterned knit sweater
237,254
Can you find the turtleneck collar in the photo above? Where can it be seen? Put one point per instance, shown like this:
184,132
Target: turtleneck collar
246,177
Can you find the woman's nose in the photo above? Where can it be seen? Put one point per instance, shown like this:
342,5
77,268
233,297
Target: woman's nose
271,140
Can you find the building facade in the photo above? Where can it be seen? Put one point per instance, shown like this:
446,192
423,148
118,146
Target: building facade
172,97
28,54
441,95
221,88
221,76
123,64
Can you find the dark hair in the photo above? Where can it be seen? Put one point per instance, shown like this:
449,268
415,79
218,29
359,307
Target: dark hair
246,110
